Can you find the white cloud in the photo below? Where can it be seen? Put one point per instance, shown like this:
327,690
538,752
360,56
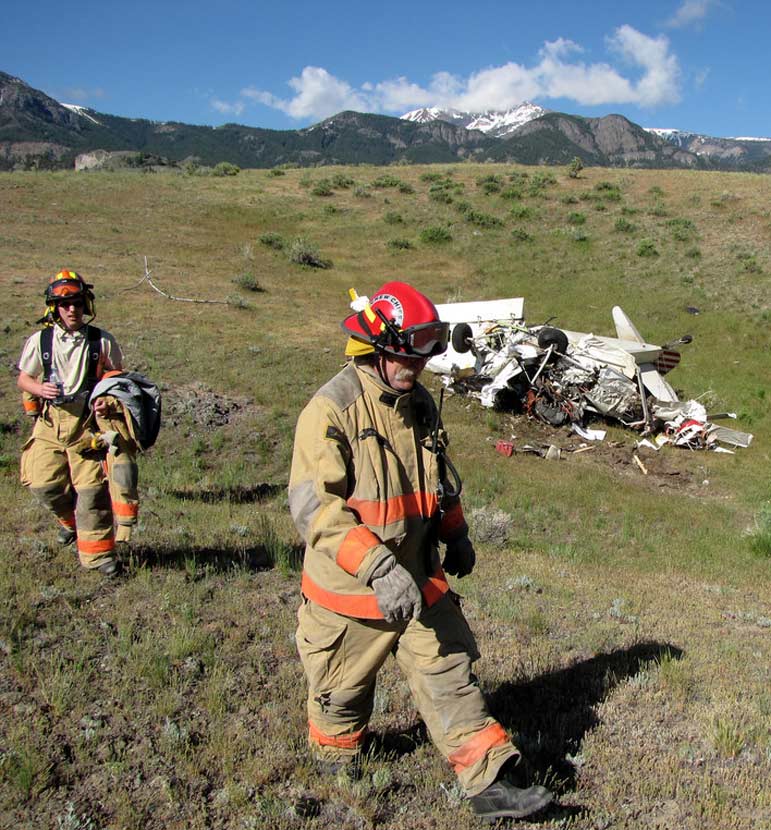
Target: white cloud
690,13
319,95
661,76
226,107
701,78
654,79
81,94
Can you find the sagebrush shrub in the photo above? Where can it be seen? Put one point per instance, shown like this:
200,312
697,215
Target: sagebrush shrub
248,282
322,188
491,526
483,220
435,234
271,239
647,248
386,180
522,212
340,180
304,252
399,244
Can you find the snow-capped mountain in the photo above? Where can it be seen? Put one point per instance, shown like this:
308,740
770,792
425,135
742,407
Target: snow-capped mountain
83,111
493,123
746,152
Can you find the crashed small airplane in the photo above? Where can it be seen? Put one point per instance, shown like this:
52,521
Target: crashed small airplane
563,377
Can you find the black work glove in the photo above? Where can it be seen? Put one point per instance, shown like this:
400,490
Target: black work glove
459,558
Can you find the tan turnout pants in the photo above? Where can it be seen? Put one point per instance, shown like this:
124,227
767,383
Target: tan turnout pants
341,657
122,470
70,481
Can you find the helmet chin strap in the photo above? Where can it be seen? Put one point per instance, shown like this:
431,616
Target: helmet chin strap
380,368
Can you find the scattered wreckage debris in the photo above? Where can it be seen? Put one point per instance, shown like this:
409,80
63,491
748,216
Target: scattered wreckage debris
567,378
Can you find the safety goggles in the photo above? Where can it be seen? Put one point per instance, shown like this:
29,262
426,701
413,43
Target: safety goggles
427,339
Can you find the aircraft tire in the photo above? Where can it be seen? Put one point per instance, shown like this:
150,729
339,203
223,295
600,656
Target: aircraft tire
549,336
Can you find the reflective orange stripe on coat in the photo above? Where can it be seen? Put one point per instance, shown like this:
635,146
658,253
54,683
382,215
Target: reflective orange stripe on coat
353,740
356,544
395,509
477,747
364,606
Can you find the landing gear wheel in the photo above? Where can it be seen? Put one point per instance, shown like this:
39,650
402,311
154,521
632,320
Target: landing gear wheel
461,338
549,336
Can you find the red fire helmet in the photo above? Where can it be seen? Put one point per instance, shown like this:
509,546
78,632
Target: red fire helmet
401,320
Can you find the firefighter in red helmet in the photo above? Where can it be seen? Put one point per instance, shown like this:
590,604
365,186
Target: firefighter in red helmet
373,494
58,369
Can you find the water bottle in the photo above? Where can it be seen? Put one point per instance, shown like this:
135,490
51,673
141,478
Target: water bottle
54,378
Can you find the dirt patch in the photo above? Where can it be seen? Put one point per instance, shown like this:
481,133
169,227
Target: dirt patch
668,467
198,403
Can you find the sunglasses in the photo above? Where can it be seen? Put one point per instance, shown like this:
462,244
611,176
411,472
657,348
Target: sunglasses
69,303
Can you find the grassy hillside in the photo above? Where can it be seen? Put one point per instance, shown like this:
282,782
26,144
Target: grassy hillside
624,619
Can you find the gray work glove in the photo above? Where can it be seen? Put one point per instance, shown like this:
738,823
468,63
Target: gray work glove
459,558
397,593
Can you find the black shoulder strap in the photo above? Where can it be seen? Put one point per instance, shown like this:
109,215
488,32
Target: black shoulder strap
46,350
94,352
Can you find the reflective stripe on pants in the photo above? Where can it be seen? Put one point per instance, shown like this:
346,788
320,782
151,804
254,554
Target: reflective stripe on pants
341,657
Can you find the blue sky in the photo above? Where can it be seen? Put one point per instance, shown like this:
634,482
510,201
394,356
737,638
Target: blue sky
700,65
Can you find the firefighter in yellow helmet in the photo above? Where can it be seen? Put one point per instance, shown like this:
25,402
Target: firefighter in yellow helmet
58,368
373,494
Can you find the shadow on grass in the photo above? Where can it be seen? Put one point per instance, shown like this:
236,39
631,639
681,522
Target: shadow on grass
238,494
198,561
551,713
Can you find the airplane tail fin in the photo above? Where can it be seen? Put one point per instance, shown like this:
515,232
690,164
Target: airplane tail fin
625,328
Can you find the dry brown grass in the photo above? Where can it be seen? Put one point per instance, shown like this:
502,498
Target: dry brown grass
624,624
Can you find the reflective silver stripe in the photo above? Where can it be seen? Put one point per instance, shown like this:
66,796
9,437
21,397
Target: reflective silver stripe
303,504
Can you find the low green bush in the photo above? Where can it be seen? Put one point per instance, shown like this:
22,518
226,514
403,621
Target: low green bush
521,235
435,234
304,252
624,225
683,230
248,282
271,239
386,180
483,220
576,218
393,218
647,248
225,168
341,181
399,244
522,212
322,188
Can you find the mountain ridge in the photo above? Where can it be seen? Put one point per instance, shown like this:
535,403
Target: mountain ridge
38,132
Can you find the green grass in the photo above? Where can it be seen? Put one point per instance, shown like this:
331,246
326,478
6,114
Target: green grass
623,619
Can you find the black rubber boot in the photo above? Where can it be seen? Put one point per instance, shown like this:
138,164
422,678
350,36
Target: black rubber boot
110,569
65,536
503,800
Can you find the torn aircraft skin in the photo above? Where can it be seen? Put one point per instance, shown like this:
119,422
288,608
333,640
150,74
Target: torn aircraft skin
565,377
